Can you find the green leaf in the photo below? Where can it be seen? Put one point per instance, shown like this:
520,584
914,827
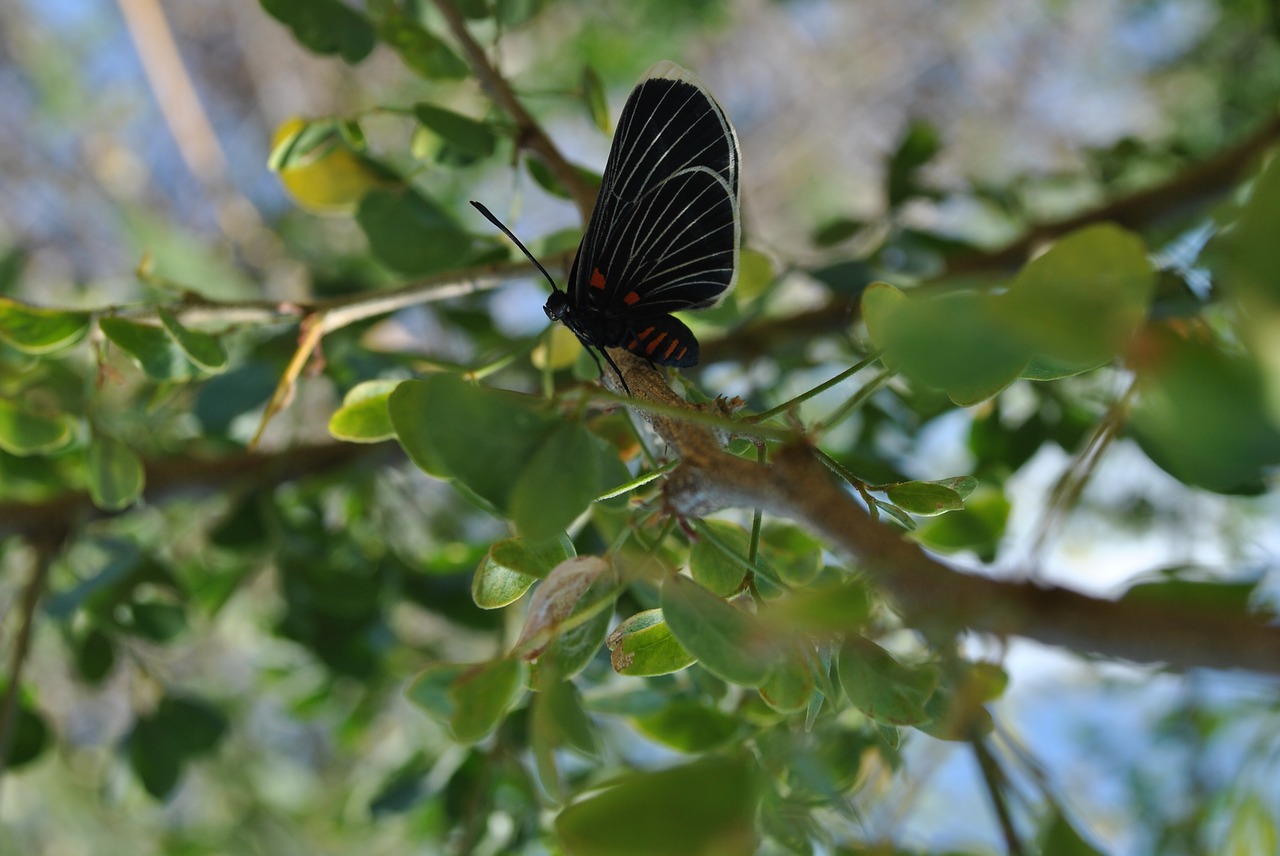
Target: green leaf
494,586
557,484
150,348
688,726
792,552
956,709
790,685
562,704
1081,302
24,433
158,621
955,341
1202,415
115,474
421,50
325,26
593,95
33,330
95,654
835,606
363,416
1250,273
201,348
569,595
410,233
1059,838
962,485
162,742
883,688
720,564
1184,587
430,690
643,645
480,697
918,146
706,808
513,13
30,734
1252,830
544,178
836,231
978,526
924,498
575,647
480,437
729,643
472,138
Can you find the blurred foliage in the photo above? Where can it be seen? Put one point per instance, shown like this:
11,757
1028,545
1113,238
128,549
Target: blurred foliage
489,646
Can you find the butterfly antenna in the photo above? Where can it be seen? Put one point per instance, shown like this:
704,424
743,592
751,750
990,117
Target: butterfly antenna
495,221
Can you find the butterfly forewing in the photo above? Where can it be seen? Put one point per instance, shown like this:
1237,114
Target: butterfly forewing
665,232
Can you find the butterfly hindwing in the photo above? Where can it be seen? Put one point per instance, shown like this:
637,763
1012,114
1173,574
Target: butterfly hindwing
664,340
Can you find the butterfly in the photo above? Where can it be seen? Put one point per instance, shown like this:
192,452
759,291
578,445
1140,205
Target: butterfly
666,229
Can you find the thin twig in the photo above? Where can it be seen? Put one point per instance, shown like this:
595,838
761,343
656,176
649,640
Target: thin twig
44,551
531,135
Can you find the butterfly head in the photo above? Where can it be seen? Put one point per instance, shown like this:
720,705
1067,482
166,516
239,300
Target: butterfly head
557,305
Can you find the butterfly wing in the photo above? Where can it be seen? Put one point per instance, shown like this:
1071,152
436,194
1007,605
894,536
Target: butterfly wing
666,228
665,340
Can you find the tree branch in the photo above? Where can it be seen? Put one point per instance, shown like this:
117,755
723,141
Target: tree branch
531,135
929,594
55,518
44,550
1193,187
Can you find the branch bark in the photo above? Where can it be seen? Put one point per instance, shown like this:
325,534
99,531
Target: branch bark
929,594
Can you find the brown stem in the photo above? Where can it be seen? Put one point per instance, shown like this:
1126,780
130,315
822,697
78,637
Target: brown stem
31,595
530,133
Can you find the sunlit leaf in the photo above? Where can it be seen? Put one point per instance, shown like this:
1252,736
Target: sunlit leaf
364,417
643,645
25,433
593,95
924,498
34,330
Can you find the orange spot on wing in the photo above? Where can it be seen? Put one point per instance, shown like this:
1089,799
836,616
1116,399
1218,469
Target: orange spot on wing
597,278
632,297
683,351
675,343
644,334
648,352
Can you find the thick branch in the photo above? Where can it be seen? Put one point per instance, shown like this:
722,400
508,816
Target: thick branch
531,135
928,593
54,519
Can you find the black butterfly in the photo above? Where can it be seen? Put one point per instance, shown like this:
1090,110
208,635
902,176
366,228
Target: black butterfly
666,228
